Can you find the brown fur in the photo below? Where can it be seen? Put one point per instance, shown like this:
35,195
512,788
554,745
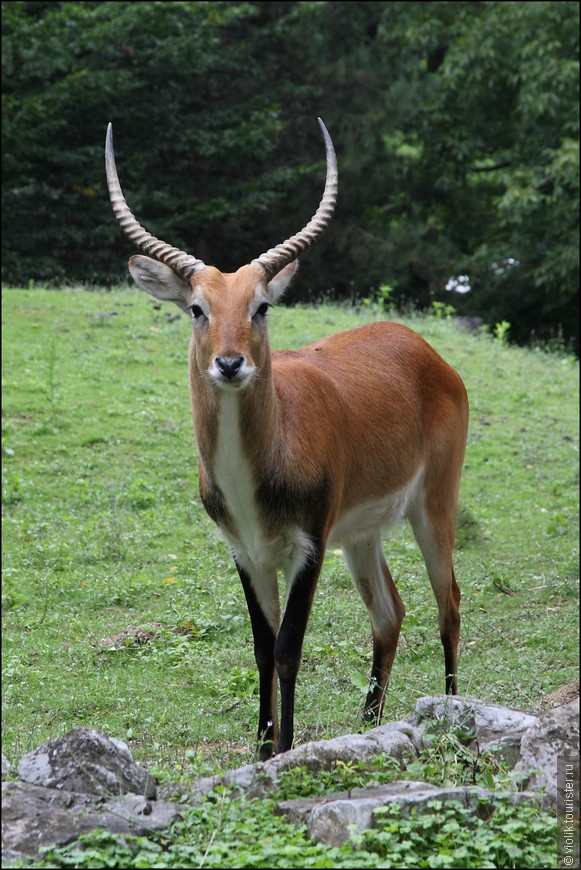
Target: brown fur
326,431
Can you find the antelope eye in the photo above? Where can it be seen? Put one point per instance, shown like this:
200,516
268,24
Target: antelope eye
197,312
262,310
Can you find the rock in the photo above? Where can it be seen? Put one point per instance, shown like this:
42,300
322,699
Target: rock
485,727
400,740
488,724
34,816
88,762
554,735
335,818
87,780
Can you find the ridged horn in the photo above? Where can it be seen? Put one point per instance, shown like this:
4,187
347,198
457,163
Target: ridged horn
276,258
183,264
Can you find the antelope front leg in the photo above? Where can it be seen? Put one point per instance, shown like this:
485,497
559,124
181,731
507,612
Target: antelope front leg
264,641
289,643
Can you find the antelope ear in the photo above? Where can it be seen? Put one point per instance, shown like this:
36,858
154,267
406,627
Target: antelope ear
278,284
159,280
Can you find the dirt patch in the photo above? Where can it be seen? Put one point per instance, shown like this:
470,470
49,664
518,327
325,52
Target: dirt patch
561,696
130,638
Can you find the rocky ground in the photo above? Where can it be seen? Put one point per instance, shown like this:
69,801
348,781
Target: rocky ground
87,780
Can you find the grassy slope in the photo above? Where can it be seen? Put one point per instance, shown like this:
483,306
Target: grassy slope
103,531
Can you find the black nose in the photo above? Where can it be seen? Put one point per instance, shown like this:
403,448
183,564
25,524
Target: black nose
229,365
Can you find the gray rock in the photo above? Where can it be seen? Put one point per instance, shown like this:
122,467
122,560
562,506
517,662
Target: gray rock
400,740
488,724
328,817
147,815
335,818
255,780
333,823
34,816
555,734
485,727
88,762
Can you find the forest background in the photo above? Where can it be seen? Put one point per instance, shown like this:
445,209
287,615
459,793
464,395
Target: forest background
456,126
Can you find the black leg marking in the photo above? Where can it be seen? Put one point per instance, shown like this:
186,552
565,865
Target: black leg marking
264,640
451,637
383,656
289,643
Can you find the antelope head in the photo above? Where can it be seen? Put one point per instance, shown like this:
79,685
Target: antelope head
228,309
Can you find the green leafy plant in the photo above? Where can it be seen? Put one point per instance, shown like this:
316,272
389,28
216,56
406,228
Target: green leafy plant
343,776
501,331
450,835
230,831
442,310
381,300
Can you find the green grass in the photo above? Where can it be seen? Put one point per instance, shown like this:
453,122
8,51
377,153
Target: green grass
103,532
122,610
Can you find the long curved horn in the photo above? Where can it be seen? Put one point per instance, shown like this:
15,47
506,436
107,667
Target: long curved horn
183,264
276,258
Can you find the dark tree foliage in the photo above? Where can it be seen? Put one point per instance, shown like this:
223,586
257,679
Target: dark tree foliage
456,126
192,92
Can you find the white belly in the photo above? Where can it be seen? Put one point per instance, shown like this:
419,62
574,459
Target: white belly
373,517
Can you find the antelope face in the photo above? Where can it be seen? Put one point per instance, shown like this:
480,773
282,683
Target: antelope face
229,313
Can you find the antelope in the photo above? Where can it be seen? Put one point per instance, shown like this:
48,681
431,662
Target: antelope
332,444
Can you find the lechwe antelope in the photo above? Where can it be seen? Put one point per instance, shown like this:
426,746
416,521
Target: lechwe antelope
330,444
